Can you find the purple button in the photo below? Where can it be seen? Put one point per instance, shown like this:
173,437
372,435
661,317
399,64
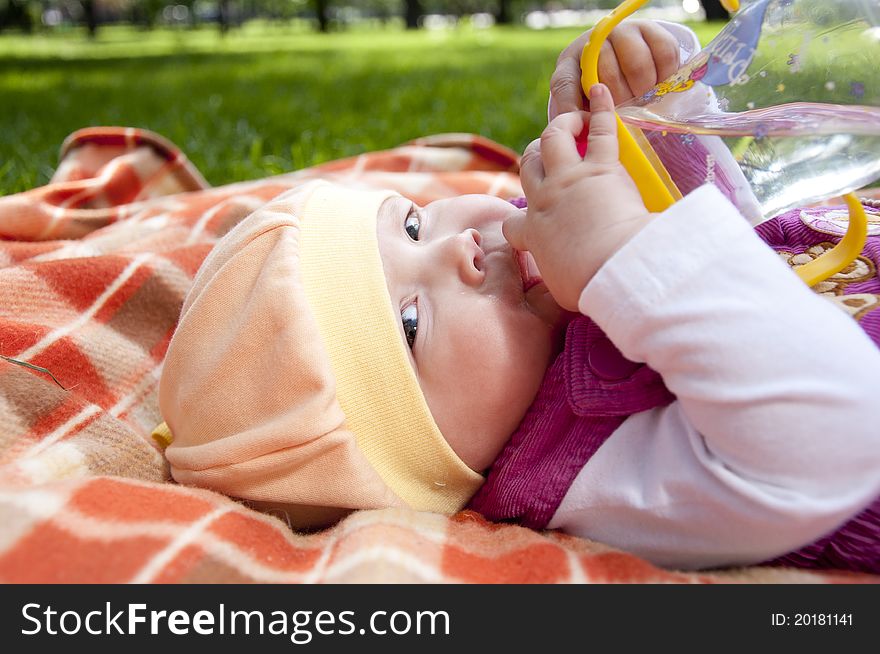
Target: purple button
608,363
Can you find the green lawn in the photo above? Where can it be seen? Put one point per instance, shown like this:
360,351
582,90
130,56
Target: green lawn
270,98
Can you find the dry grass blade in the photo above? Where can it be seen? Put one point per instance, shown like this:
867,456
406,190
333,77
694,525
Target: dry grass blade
32,367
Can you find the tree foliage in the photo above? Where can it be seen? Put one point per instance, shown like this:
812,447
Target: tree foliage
25,15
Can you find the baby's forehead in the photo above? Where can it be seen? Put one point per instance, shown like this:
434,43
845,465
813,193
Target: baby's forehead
390,236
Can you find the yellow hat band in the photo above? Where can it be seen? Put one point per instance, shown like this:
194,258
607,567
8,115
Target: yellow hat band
344,283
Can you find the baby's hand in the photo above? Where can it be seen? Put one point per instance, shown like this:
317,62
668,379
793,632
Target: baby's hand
580,211
635,56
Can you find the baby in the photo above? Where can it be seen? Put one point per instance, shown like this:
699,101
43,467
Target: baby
653,382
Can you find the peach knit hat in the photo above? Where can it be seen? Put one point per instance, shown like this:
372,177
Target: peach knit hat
287,381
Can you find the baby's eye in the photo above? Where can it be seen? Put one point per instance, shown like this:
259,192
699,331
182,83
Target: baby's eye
410,318
412,224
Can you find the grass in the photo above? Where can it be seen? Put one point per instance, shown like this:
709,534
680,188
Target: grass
271,98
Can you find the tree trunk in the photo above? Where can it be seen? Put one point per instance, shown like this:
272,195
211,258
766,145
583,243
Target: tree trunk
502,17
714,10
223,16
413,13
321,13
16,15
91,13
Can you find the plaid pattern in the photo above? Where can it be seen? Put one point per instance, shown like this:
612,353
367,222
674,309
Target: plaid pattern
93,271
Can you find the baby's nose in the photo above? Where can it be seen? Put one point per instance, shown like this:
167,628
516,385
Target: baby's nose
469,256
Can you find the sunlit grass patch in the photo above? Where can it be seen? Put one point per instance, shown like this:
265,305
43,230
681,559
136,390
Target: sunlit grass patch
269,99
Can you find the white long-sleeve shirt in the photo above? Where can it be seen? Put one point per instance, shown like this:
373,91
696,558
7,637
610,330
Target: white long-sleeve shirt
774,439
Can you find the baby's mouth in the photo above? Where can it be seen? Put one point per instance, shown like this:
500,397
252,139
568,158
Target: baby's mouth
528,269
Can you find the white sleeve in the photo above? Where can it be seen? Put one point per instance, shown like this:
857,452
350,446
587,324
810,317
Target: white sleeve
688,43
774,439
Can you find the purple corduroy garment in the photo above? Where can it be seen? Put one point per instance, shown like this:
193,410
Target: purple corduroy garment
690,163
590,389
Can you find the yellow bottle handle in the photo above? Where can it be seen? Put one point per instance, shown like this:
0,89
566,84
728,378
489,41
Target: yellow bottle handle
656,193
842,254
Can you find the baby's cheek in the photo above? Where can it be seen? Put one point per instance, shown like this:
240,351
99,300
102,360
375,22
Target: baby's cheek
521,362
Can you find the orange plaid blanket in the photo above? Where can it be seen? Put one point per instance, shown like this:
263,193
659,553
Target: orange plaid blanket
93,271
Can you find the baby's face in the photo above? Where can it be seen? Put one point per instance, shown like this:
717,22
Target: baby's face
480,328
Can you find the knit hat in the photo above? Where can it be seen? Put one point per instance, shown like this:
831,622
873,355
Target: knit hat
287,381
